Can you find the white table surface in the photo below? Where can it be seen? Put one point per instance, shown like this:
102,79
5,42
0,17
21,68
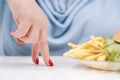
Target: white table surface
22,68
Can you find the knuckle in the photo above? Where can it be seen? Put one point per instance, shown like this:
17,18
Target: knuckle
43,43
19,33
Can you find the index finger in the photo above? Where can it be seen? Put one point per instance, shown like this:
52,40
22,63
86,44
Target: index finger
44,48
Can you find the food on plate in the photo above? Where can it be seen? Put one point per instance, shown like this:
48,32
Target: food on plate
116,36
112,49
91,50
97,48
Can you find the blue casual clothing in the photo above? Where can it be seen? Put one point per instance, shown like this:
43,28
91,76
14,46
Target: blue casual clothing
69,21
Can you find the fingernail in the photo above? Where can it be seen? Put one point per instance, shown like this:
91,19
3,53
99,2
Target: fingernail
50,63
37,61
20,44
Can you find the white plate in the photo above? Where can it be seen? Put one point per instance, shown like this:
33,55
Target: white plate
104,65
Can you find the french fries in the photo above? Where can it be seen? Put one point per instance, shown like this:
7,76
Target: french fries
91,50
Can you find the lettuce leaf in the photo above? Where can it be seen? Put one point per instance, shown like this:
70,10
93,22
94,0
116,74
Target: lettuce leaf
112,49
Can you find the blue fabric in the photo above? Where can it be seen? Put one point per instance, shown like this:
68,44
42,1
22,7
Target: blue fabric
69,21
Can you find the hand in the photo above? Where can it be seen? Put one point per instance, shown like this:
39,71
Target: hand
32,25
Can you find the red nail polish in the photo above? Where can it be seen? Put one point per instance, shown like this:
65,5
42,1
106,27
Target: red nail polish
20,44
37,61
50,63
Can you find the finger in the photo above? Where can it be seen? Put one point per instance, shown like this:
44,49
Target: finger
22,30
44,48
35,52
32,35
19,42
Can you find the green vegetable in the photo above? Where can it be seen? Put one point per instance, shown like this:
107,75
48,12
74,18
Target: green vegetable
112,49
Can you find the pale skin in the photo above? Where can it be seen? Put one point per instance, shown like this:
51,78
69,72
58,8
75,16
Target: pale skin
32,26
